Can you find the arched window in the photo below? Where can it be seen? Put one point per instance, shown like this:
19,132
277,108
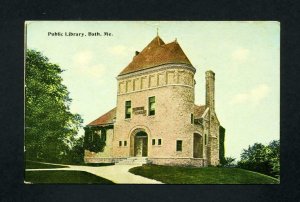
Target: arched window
205,139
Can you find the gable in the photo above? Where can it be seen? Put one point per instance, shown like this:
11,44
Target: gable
214,116
199,111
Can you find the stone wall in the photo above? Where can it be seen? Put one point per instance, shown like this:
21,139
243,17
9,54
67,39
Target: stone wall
173,89
196,162
153,79
214,138
213,123
102,160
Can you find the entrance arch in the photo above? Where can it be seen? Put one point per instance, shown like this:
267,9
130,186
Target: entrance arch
139,144
198,146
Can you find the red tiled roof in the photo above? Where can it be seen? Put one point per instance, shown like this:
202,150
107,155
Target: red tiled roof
157,53
199,110
107,118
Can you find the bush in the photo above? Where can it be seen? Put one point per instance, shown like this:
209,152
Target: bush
261,158
228,162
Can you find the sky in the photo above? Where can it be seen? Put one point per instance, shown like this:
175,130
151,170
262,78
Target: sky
245,57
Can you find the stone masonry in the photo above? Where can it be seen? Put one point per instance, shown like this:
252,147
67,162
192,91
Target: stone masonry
179,132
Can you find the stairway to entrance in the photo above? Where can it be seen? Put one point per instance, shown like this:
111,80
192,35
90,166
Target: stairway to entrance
134,161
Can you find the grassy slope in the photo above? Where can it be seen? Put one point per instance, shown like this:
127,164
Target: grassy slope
63,176
207,175
41,165
37,165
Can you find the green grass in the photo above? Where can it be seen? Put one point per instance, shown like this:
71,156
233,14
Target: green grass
40,165
64,176
206,175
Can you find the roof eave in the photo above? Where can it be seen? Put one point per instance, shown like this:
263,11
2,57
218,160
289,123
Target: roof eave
103,125
155,66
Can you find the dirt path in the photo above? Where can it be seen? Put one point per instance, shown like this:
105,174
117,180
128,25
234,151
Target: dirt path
116,173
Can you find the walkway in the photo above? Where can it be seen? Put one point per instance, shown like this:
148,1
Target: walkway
116,173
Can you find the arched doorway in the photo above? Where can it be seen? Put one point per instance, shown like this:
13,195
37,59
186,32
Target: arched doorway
139,144
198,146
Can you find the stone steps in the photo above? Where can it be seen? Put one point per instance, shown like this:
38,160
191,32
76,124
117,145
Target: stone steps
133,161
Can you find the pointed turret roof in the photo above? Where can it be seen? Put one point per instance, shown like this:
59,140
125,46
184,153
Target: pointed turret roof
157,53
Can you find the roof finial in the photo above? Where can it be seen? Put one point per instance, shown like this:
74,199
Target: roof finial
157,36
176,40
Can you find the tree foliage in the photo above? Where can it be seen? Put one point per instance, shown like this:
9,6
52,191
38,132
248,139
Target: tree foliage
75,155
261,158
50,127
228,162
95,138
222,146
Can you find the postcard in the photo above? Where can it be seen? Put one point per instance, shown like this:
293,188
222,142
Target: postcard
152,102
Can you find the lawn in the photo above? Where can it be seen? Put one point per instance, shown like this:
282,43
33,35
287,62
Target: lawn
64,176
206,175
40,165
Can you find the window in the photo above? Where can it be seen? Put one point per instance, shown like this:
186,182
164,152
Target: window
159,142
151,106
153,141
127,109
120,143
192,118
179,145
125,143
205,140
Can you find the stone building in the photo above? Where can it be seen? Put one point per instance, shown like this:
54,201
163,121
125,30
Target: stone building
156,119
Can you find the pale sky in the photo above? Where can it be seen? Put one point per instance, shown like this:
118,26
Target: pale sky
244,56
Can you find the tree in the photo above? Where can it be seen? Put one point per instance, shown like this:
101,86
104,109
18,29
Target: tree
229,162
49,124
76,152
261,158
222,146
92,140
274,156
